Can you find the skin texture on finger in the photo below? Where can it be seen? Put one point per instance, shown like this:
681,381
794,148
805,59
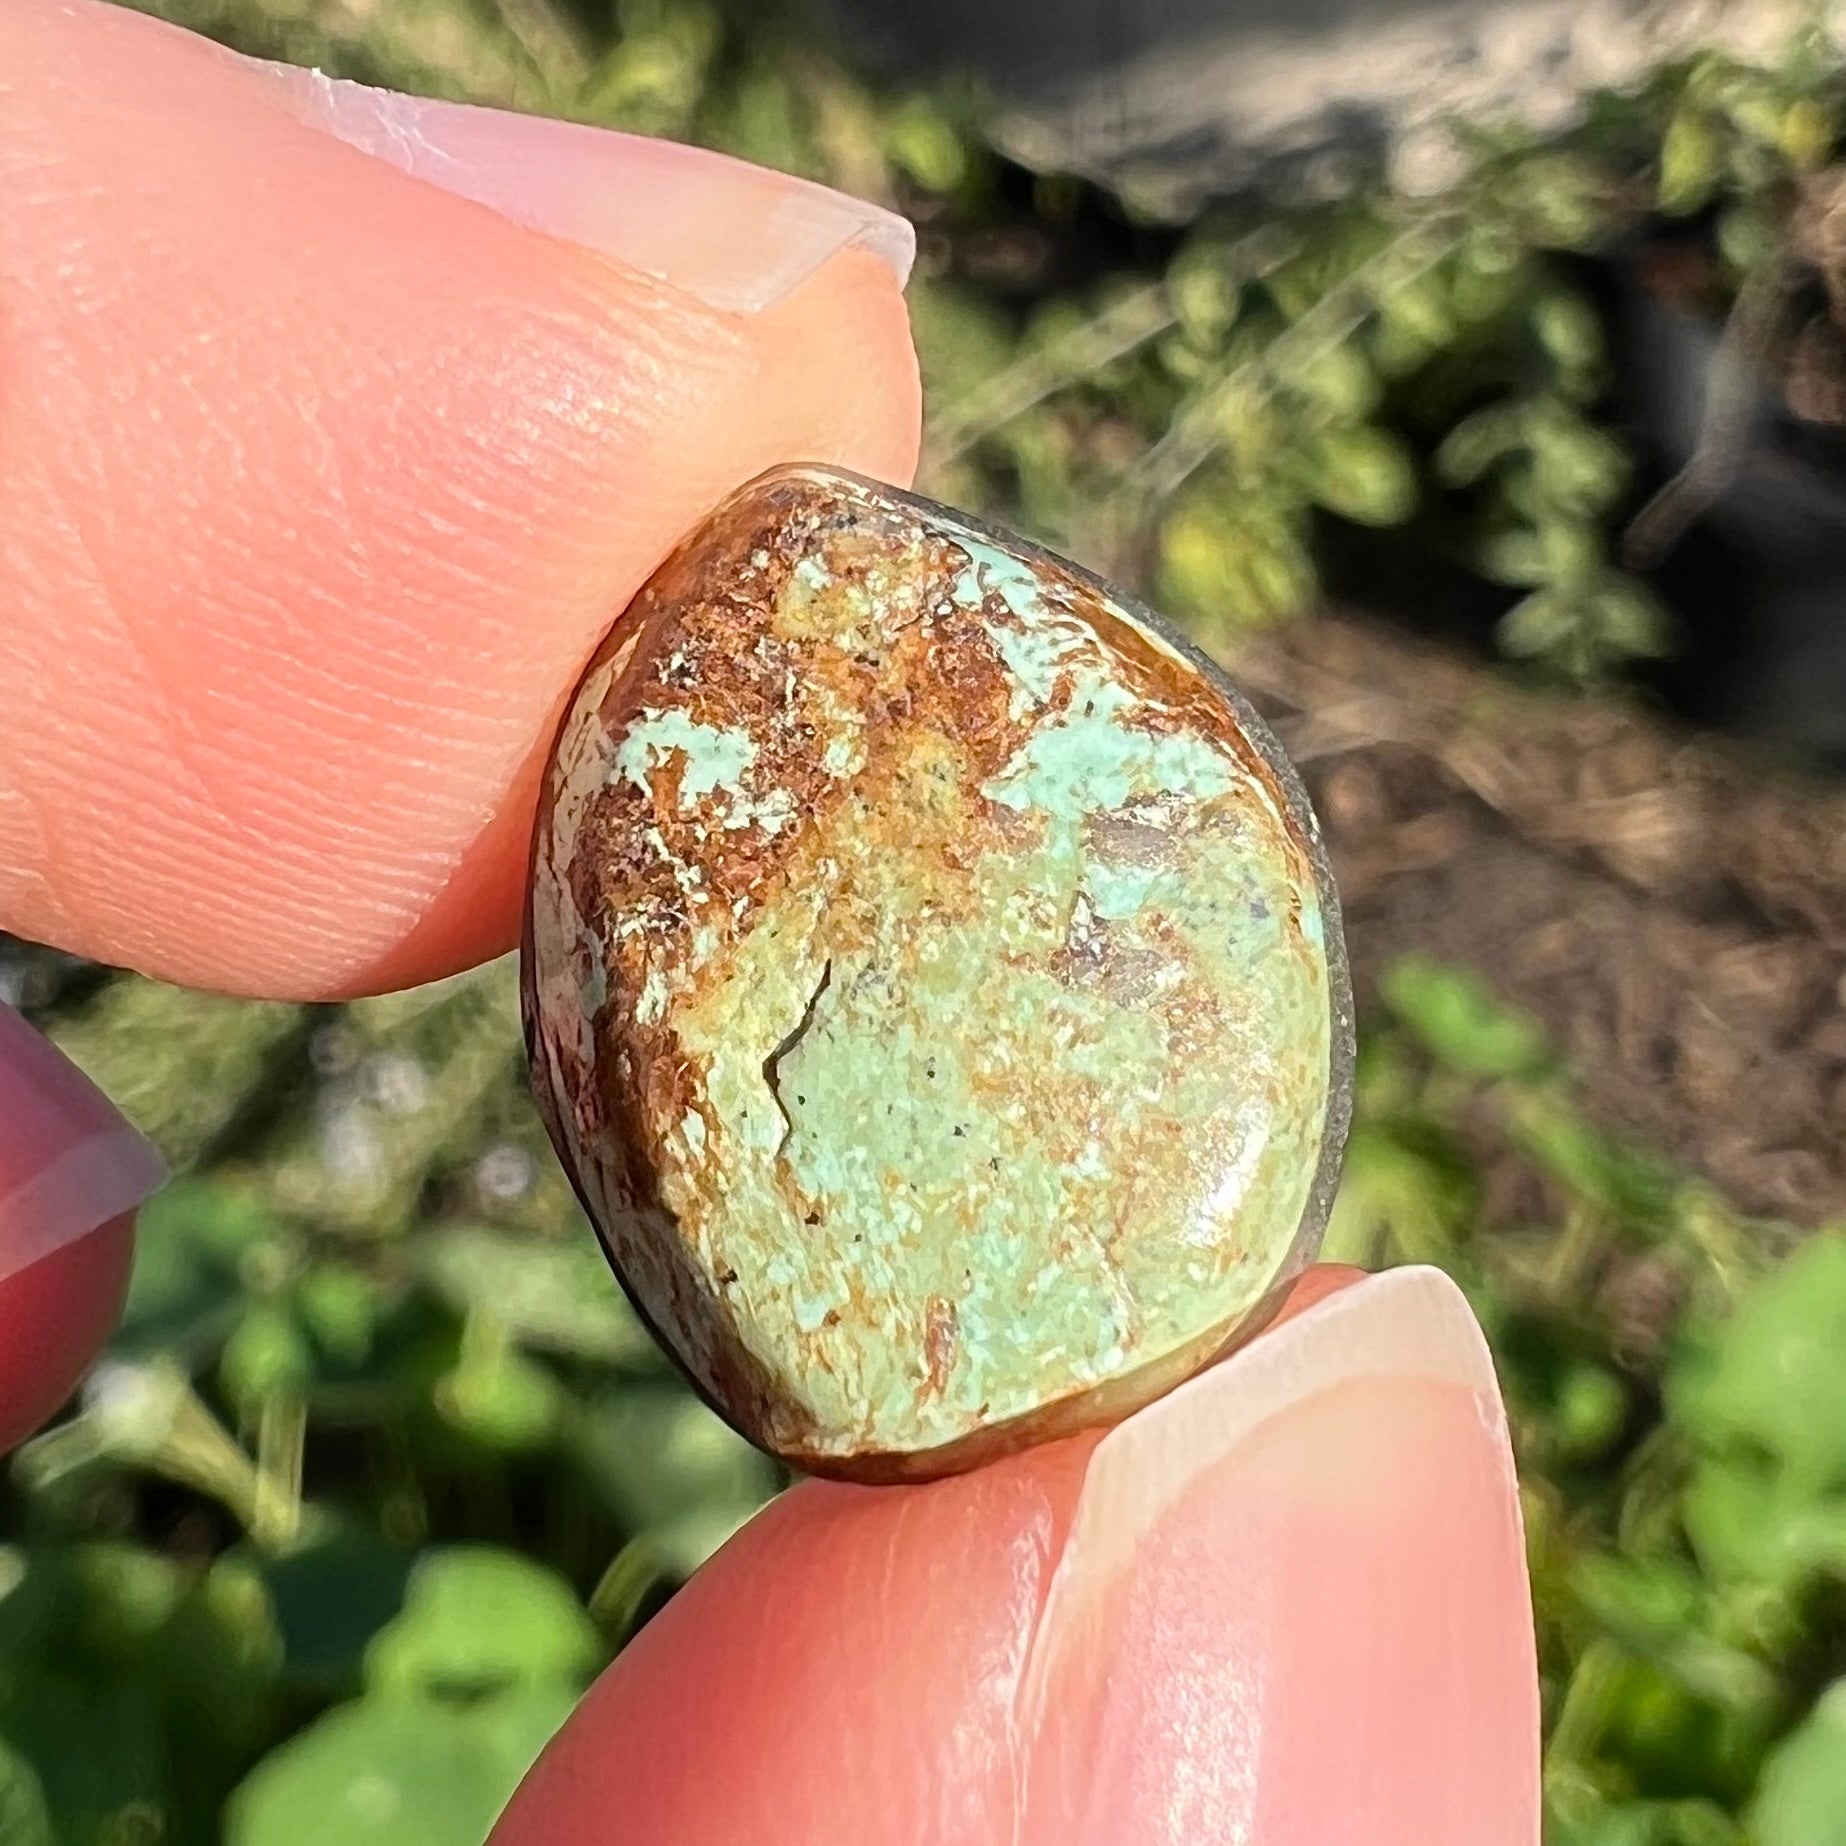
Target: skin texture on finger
845,1672
1299,1626
317,484
1285,1606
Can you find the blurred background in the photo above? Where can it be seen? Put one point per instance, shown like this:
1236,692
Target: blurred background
1471,378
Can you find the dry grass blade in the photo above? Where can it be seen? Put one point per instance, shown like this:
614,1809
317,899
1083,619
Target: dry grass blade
1118,330
1192,437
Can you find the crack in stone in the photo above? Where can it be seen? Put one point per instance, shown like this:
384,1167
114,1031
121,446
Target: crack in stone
772,1065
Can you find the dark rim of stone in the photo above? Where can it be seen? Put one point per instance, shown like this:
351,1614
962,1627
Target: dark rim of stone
1341,1044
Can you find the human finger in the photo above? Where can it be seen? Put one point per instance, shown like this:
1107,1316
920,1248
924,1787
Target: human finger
337,428
1285,1605
72,1172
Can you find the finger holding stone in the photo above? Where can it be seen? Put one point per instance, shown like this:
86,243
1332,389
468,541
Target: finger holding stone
1286,1604
337,428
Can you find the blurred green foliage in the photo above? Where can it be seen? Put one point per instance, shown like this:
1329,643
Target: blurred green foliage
1189,404
1674,1375
381,1468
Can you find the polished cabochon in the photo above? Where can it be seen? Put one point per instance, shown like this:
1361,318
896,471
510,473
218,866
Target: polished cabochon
933,984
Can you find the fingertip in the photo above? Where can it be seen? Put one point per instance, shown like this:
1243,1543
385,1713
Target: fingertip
72,1172
792,407
1312,1287
55,1317
1293,1606
361,485
1286,1603
739,237
69,1160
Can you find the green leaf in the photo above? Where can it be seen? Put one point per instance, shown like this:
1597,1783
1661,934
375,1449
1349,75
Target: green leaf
476,1619
554,1294
1635,1598
1633,1187
501,1399
1558,551
1801,1795
97,1751
122,1594
1774,1374
668,1468
1479,441
1340,381
1204,294
961,338
1691,162
1806,133
1661,1610
1630,620
1751,1522
520,1722
28,1599
185,1289
920,142
1577,471
25,1816
1644,1823
266,1354
1590,1412
1749,235
179,1063
1519,556
1570,333
387,1770
1398,1202
1363,475
1560,199
1460,1021
219,1658
1227,563
1539,624
636,1573
1415,316
341,1307
1752,104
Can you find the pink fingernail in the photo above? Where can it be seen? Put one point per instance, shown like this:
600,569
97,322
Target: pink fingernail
69,1162
1293,1608
737,236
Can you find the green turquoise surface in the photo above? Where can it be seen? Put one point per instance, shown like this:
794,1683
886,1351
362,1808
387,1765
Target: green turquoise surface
933,984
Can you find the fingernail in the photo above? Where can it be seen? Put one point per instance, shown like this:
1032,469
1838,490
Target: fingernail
1293,1606
737,236
69,1161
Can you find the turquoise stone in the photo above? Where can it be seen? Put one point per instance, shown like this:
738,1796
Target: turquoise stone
933,983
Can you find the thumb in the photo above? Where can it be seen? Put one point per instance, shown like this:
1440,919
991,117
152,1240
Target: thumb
337,428
1285,1605
72,1172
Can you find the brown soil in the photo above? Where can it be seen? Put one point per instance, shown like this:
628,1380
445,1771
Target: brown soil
1674,911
